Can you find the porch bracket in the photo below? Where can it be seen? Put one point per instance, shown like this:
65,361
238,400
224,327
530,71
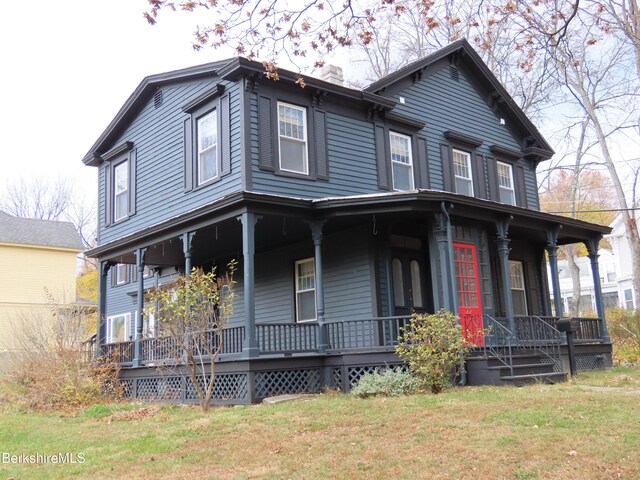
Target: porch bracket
503,241
137,354
316,235
187,248
552,252
249,220
101,332
592,249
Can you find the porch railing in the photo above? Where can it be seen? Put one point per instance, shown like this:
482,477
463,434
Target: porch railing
588,329
374,333
121,352
287,337
167,348
534,332
498,341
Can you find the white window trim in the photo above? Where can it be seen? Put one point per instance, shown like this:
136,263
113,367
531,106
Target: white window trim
512,189
299,262
125,165
524,287
119,280
305,141
199,121
127,327
404,165
466,155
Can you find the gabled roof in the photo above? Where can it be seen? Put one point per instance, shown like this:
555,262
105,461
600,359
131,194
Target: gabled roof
139,97
44,233
482,72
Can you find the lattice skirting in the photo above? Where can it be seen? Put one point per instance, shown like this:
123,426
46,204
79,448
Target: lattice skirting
354,374
178,389
282,382
593,361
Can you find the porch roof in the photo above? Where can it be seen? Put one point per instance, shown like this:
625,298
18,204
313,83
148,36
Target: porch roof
528,223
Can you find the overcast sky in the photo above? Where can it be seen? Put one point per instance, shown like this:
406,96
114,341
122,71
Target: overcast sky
67,68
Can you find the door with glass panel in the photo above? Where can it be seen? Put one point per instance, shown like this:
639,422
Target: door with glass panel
468,292
409,293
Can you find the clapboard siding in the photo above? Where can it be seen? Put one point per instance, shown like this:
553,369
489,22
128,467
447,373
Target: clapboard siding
158,136
347,280
351,156
531,185
445,104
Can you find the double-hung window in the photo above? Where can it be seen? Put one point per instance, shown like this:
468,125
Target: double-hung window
292,138
121,191
118,328
121,273
462,172
207,164
505,183
518,292
401,161
305,290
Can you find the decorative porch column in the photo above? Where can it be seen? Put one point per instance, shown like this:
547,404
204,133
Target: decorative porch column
137,357
592,248
445,253
503,241
552,252
187,248
249,219
101,332
316,234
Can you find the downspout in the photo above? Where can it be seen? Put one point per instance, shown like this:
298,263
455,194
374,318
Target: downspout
452,286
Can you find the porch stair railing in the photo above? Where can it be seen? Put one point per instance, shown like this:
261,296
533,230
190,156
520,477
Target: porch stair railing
498,342
535,333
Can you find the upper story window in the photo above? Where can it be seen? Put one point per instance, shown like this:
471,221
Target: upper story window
121,191
401,161
462,172
305,290
207,165
292,138
505,183
119,182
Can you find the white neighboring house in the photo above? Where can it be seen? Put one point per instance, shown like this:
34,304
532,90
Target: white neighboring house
615,275
608,281
623,264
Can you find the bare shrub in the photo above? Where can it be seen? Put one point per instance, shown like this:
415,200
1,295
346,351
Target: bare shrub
624,329
52,368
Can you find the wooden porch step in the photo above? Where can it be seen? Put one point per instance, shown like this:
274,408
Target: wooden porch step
550,378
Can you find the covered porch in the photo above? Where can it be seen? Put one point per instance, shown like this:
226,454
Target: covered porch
369,231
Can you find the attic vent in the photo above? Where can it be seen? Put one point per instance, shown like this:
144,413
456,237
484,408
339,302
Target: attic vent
453,71
157,99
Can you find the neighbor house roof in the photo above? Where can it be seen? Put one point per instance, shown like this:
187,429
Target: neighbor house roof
44,233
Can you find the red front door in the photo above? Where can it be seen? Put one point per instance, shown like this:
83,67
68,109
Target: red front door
468,292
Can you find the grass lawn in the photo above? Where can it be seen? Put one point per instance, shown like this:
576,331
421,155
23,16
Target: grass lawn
566,431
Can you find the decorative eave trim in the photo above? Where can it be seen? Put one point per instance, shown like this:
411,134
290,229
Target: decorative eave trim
114,152
536,155
505,152
458,137
405,120
203,98
241,66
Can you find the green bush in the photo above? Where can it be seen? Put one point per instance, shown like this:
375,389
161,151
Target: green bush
624,330
432,346
389,383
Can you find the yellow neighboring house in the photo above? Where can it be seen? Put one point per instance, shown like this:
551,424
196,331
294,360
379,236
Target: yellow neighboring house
36,257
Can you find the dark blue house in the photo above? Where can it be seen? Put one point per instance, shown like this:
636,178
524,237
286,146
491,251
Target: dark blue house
347,211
